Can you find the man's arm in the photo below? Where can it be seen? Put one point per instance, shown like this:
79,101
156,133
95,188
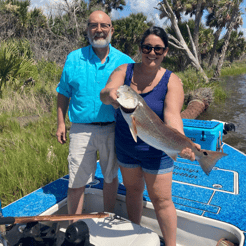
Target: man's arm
62,105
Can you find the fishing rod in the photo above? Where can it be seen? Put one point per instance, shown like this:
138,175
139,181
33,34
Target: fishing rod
58,217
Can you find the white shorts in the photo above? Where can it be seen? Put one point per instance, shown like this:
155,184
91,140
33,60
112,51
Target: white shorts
85,141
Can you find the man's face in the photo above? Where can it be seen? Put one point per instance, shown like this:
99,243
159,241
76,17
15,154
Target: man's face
99,39
99,30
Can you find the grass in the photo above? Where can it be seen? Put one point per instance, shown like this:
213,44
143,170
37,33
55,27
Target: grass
220,95
192,80
31,157
235,68
19,104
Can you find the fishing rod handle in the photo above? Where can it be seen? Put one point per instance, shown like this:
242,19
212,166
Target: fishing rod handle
7,220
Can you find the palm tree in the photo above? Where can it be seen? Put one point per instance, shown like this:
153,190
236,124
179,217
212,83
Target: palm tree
179,41
218,18
235,22
22,15
36,20
109,5
128,32
12,63
205,40
237,45
190,7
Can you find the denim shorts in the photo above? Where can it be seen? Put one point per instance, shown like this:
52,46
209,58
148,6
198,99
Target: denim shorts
85,141
149,164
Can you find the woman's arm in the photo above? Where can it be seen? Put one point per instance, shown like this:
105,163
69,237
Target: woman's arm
173,103
108,95
172,108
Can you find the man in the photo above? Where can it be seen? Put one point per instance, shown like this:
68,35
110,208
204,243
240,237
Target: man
85,74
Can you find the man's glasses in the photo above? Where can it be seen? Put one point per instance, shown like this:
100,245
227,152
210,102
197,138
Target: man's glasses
103,26
146,49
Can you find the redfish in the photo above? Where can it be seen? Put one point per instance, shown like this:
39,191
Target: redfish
145,124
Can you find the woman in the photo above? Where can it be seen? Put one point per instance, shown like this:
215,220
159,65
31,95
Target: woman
139,162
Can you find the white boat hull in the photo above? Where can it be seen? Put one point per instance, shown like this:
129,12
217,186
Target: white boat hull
192,230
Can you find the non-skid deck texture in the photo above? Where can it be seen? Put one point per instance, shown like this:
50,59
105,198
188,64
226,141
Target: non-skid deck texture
220,196
38,201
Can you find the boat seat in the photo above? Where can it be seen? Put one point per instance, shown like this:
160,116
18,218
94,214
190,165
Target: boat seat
115,230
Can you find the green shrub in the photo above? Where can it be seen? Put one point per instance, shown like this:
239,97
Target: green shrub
191,80
49,71
15,65
219,94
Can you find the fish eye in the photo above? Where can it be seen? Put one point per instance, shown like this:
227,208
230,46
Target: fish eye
205,153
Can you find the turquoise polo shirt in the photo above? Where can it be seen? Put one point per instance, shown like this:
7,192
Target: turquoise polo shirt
83,77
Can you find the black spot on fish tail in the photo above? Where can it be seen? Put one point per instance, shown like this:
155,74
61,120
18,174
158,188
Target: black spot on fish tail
208,160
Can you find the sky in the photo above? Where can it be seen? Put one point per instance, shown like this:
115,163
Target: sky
136,6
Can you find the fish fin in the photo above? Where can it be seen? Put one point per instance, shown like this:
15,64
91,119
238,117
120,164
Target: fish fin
172,155
133,129
208,160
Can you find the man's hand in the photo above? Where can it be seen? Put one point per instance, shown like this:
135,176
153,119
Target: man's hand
61,134
187,153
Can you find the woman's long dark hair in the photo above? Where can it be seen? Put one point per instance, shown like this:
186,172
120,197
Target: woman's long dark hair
158,31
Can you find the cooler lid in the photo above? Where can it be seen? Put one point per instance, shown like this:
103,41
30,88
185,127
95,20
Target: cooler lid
200,123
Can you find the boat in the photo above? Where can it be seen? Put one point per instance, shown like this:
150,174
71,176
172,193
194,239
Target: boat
211,210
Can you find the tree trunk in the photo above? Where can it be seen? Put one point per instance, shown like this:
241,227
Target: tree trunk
216,39
193,110
76,22
181,42
226,42
232,56
197,25
198,101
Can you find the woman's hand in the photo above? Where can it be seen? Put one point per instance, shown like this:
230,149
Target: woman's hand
187,153
109,96
113,95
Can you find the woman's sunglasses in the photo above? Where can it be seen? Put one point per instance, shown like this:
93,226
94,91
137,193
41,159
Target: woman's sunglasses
146,49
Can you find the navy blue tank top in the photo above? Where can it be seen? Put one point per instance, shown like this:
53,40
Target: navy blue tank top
155,100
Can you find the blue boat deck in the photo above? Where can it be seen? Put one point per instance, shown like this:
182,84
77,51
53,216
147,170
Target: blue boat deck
220,196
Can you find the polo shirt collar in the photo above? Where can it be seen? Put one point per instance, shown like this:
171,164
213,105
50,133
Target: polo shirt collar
110,54
92,54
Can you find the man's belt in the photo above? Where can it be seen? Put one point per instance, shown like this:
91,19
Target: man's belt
102,123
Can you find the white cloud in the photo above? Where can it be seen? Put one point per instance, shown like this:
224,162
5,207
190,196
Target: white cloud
114,14
132,6
41,4
145,6
38,3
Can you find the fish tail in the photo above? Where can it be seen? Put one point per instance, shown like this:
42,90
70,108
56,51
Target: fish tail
208,159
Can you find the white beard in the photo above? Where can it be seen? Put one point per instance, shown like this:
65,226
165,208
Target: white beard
100,43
